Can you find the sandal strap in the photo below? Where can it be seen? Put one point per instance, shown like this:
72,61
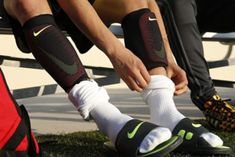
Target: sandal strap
130,137
191,133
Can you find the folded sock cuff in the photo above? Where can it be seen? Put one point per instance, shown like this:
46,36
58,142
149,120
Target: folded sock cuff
86,95
158,82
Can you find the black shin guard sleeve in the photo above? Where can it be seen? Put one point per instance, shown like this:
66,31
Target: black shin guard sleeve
143,37
53,51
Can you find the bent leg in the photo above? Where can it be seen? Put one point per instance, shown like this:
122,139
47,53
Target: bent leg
113,125
145,42
47,43
159,95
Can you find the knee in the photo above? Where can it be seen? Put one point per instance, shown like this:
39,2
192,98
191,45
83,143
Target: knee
17,8
137,3
23,10
132,5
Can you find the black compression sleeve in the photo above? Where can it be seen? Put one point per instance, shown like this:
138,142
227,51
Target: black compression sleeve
54,51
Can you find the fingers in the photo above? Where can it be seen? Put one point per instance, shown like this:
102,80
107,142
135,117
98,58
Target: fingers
145,74
133,85
141,81
181,86
132,71
181,90
137,80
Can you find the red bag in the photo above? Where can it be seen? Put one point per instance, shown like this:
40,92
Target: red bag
16,138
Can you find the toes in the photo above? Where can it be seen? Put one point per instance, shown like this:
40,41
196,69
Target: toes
154,138
212,139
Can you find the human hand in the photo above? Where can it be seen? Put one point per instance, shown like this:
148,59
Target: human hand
131,69
178,76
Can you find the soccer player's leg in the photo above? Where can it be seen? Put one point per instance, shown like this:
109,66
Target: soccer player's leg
46,41
148,45
92,100
54,52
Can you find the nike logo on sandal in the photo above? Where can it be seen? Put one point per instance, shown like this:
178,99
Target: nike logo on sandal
131,134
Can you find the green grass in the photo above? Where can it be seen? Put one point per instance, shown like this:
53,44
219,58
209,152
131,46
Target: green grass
90,144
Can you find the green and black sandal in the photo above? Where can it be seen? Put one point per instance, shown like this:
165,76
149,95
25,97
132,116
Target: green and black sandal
193,143
131,136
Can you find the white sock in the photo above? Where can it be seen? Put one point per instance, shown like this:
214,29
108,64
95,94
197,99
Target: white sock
87,95
109,119
90,99
163,112
159,97
154,138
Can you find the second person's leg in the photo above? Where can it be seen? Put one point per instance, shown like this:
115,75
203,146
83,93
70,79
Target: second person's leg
193,17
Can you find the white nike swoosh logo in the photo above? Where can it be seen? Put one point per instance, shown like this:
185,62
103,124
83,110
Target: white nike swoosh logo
35,34
152,19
